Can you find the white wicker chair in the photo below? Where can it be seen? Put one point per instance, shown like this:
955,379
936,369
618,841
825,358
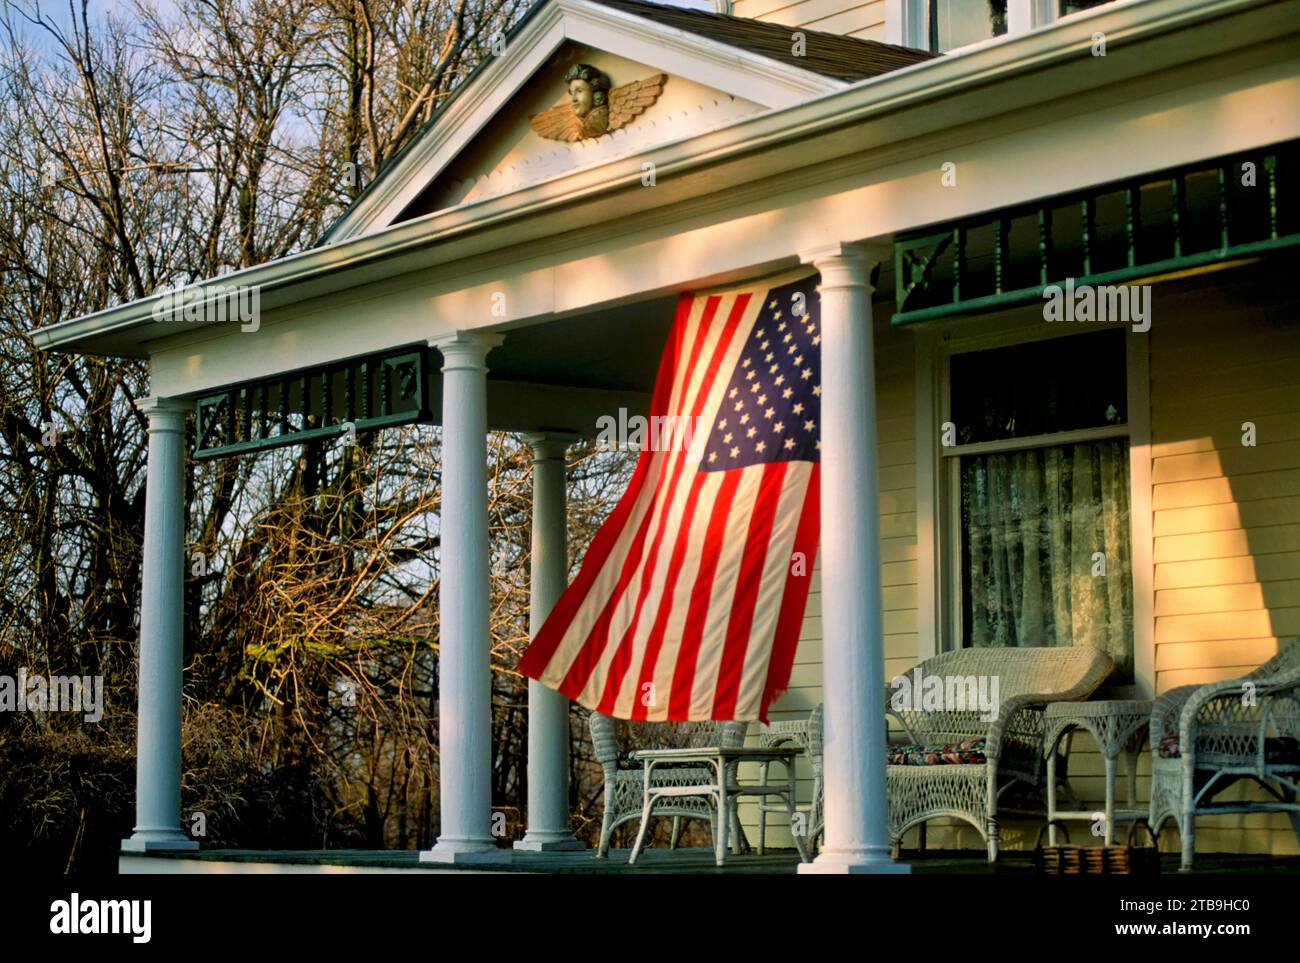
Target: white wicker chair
806,734
615,741
1205,738
1028,679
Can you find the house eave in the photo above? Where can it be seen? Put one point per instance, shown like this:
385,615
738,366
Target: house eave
921,90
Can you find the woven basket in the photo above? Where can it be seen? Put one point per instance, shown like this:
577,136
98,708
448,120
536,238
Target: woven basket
1126,860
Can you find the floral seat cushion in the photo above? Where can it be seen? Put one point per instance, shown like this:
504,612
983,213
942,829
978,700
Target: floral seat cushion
1278,751
965,752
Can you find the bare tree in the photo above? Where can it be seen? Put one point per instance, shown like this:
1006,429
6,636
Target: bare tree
173,144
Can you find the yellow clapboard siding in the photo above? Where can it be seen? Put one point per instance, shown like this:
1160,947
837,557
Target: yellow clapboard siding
1216,491
1199,676
1208,627
875,31
896,453
1200,307
898,526
900,598
806,674
1199,655
1219,518
758,9
1231,370
801,696
898,573
804,12
898,502
891,427
1227,571
1225,433
894,356
897,477
891,573
1222,377
1216,354
902,621
1241,597
1193,494
900,653
894,598
1259,541
900,650
894,396
1229,461
849,21
1197,342
1171,411
898,549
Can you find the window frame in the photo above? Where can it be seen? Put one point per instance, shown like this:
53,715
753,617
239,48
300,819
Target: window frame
907,21
938,503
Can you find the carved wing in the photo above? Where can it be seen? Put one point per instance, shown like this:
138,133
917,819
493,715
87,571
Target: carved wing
633,99
558,123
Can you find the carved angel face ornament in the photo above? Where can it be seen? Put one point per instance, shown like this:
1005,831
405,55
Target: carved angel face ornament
581,96
593,108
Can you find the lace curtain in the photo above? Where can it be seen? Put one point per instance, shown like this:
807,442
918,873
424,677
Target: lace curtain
1032,522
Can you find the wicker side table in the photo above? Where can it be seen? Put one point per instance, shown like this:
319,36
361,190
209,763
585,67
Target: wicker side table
1118,725
723,789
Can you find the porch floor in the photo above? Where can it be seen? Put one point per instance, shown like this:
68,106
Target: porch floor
653,861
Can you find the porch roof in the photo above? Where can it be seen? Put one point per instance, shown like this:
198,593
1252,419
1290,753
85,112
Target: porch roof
874,118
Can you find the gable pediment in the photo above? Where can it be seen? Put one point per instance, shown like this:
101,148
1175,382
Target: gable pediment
483,144
511,152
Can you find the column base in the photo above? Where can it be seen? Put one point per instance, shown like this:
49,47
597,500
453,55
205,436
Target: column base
854,862
553,842
159,841
466,851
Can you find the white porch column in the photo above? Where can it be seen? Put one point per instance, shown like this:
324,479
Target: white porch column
158,753
853,671
548,710
464,667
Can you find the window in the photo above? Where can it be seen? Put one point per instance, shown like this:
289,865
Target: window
944,25
1037,463
1068,7
955,23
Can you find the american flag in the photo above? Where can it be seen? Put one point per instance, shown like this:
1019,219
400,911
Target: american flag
689,601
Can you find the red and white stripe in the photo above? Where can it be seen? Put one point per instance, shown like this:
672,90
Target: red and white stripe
685,607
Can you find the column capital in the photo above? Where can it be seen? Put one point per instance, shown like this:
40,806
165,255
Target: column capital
164,414
549,445
845,264
466,350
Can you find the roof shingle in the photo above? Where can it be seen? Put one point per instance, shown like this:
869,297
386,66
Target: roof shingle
829,54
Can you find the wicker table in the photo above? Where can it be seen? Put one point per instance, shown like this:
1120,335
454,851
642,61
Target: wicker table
1117,725
722,789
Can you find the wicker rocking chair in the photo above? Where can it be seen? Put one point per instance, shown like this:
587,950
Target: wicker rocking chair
616,741
1205,738
958,763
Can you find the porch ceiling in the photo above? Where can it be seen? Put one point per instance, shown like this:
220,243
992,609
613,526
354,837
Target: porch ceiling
614,350
567,373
